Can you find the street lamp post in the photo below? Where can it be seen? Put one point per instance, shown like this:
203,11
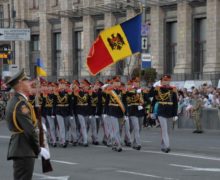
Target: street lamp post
13,16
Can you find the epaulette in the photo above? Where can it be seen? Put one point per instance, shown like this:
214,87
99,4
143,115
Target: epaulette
174,89
157,88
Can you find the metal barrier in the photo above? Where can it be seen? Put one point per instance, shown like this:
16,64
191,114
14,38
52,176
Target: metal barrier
210,119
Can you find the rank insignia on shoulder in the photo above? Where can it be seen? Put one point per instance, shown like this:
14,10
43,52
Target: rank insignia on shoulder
25,109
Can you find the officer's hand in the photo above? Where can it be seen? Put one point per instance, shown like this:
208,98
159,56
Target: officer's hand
53,116
44,127
90,117
104,115
175,118
126,118
44,153
96,116
140,108
71,117
139,91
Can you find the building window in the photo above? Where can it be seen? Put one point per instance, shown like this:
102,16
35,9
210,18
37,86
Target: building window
56,64
34,54
54,3
171,47
33,4
199,46
97,31
35,43
78,51
1,16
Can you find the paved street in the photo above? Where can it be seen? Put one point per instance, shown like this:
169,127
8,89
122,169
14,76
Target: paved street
193,157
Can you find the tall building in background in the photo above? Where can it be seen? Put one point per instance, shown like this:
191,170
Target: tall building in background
182,37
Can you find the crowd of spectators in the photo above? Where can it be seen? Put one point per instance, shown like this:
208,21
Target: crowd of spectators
209,95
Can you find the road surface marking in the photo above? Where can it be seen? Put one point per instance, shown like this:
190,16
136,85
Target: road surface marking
143,174
196,156
147,141
185,155
42,176
191,168
5,137
64,162
214,147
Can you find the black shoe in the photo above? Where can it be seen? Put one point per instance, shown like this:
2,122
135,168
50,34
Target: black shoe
166,150
75,143
137,147
118,149
95,143
196,131
86,145
64,145
104,142
128,144
199,131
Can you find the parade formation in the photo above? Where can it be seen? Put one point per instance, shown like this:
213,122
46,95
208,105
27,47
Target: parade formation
70,110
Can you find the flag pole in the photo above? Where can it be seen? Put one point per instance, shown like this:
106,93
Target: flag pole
46,164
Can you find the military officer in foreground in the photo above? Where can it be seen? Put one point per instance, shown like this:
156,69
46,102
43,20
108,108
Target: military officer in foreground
166,97
24,143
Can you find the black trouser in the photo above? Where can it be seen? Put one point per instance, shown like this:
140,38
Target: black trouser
23,168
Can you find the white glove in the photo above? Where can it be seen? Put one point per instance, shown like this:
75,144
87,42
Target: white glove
104,115
175,118
126,118
44,127
71,117
90,117
139,91
140,108
53,117
44,153
96,116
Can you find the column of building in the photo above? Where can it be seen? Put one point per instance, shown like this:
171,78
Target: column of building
157,38
212,63
45,37
21,47
184,39
88,37
66,68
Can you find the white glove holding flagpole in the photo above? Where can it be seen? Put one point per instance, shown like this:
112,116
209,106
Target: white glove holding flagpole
44,153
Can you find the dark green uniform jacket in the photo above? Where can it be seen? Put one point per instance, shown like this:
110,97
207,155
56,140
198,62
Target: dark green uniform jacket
22,123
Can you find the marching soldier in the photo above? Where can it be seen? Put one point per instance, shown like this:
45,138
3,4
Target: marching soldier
166,96
134,101
116,112
48,106
24,143
92,111
106,120
81,102
63,110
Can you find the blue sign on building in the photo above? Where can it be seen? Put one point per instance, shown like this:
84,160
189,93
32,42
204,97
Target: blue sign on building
146,61
144,29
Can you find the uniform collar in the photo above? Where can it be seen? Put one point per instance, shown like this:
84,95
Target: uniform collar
23,95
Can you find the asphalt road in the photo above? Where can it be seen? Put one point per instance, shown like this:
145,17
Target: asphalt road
192,157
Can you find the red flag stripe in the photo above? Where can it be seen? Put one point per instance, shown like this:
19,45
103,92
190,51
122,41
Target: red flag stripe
97,61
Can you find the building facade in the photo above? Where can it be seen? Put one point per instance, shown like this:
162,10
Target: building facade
183,36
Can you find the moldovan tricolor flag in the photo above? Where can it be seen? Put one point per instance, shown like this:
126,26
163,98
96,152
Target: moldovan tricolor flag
39,68
114,44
